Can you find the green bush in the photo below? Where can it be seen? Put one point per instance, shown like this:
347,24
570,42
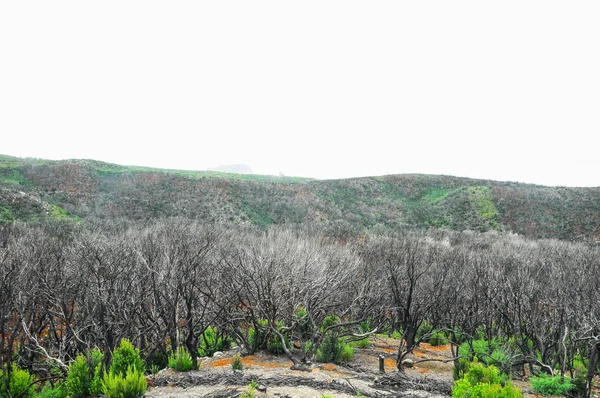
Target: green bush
424,329
303,323
365,326
262,337
181,360
19,383
157,358
274,344
362,343
489,352
211,342
125,356
334,350
131,385
552,385
84,375
251,390
484,382
307,346
57,391
236,363
579,381
438,338
461,370
347,353
330,320
256,338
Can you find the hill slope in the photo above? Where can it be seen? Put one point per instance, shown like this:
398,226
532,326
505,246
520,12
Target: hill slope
32,189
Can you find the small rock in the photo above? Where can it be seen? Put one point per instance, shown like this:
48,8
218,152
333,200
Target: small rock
261,388
217,354
408,363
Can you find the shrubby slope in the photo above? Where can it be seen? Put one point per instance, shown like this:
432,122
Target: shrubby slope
34,188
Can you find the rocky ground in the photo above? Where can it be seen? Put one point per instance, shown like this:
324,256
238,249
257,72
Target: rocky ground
216,379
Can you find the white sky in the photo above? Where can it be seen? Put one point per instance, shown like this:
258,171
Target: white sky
506,90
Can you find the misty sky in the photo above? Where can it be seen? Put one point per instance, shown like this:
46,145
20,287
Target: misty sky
504,90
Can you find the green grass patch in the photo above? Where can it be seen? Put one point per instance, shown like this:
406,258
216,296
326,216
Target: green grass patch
486,208
6,214
61,214
552,385
14,176
435,195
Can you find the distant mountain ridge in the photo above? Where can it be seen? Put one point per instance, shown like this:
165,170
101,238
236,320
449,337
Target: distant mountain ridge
32,189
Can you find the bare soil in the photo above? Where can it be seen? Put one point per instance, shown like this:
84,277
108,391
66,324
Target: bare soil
431,377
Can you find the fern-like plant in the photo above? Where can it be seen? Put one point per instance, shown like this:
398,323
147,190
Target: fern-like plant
552,385
19,383
84,375
124,356
181,360
131,385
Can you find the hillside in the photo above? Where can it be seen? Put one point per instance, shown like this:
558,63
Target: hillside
32,189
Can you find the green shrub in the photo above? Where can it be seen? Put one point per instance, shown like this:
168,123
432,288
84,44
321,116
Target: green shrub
125,356
157,358
256,338
484,382
424,329
57,391
19,383
365,326
303,323
362,343
251,390
334,350
307,346
274,344
236,363
330,320
501,359
181,360
461,370
438,338
131,385
579,381
261,337
329,350
462,389
489,352
552,385
347,353
84,375
211,342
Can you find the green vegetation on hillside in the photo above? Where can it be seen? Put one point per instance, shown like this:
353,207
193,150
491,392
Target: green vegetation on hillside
92,189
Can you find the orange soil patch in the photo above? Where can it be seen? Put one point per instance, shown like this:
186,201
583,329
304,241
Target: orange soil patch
389,363
388,350
432,348
251,360
422,370
425,355
218,363
328,366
